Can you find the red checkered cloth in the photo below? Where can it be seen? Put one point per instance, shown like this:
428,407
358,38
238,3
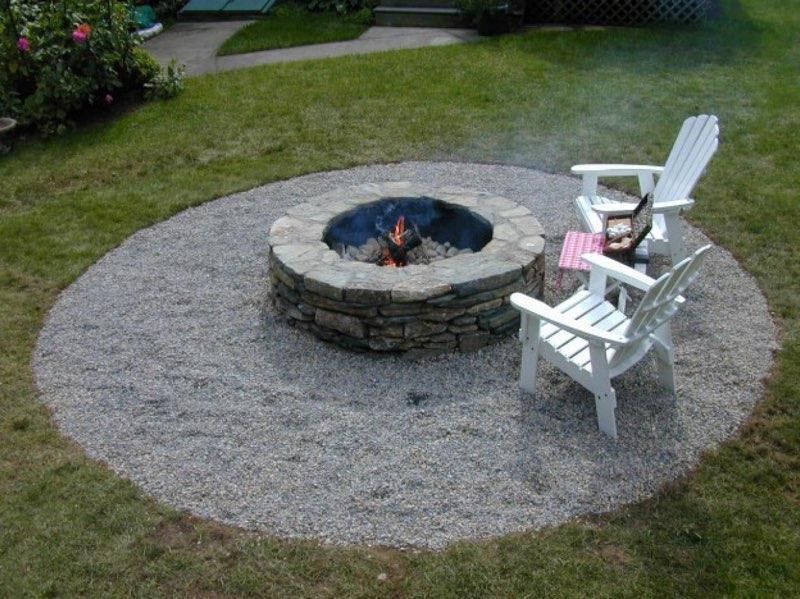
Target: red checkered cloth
577,243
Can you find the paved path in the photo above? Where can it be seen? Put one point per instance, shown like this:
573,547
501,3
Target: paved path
195,45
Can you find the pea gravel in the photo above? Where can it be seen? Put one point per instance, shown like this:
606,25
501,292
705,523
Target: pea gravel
166,361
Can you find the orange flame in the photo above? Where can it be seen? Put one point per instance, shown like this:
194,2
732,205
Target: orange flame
399,231
398,237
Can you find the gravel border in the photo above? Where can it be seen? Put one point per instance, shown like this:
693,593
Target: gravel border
166,361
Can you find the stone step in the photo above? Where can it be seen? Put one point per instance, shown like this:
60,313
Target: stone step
417,16
418,3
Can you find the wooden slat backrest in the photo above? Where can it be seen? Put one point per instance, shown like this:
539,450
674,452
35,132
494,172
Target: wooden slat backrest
659,304
697,142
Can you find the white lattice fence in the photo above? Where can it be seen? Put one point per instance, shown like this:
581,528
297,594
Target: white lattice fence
617,12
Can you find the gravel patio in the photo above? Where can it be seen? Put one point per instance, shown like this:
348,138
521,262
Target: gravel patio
166,361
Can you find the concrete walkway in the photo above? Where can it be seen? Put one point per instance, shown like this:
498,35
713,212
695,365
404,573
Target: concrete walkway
195,45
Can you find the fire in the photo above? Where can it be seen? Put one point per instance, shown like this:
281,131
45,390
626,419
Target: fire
399,231
398,236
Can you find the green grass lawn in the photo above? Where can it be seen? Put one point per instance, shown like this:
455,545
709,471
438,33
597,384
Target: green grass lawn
543,99
290,25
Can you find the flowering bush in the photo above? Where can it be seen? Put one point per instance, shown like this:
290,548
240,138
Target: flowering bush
81,33
61,57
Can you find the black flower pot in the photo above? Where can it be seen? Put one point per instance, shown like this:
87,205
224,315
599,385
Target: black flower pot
494,22
7,125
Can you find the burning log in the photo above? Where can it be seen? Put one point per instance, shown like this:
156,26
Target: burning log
399,241
400,246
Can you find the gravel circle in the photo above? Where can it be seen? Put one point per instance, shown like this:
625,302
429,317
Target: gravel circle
166,361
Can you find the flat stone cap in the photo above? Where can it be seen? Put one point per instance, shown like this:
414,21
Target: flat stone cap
297,248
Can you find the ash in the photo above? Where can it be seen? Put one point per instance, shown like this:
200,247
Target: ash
374,251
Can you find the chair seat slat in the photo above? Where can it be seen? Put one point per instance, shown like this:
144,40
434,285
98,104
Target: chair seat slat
578,312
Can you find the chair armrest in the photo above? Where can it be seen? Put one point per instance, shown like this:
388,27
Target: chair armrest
614,208
591,172
677,206
620,272
540,310
616,170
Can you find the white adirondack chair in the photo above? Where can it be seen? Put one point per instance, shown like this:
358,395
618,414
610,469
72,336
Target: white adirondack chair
696,144
592,341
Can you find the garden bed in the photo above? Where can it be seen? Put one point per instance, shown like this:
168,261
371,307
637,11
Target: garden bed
289,25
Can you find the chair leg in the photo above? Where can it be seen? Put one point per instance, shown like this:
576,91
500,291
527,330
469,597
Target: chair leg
605,399
530,363
675,238
666,369
665,359
606,404
529,336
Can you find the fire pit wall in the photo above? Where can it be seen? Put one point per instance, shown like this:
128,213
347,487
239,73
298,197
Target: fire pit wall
459,303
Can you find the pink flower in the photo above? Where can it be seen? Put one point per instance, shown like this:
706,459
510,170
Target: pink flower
109,98
81,33
24,44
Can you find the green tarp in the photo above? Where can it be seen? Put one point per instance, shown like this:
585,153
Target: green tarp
227,7
145,16
246,6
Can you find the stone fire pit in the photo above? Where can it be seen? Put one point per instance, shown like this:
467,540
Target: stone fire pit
460,302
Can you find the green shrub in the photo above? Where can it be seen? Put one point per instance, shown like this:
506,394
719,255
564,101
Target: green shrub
164,8
166,83
59,58
341,6
365,17
475,8
146,67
